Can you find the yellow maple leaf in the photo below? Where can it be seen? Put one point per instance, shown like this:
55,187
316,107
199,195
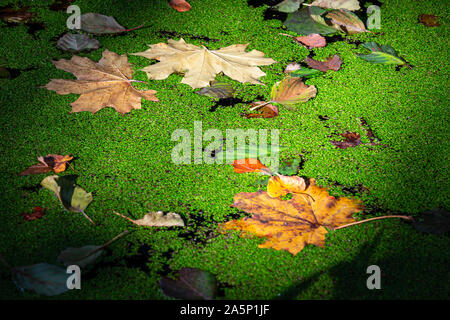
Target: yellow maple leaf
291,224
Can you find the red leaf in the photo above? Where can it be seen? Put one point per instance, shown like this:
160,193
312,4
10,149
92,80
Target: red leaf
180,5
37,213
352,139
312,40
332,63
249,165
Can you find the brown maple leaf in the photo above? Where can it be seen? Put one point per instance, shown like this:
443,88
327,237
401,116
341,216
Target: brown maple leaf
291,224
48,163
107,83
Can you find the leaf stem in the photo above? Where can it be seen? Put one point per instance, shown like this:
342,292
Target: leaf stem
121,215
106,244
260,105
371,219
87,217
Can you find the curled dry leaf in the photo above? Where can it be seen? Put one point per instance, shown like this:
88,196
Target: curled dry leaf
293,66
180,5
72,197
157,219
346,21
332,63
75,42
201,65
292,90
292,224
107,83
313,40
266,110
249,165
50,162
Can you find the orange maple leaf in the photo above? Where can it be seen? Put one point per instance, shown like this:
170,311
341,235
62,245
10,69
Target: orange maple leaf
291,224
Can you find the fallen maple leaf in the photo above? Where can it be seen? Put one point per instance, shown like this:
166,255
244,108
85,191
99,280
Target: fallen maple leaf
180,5
38,212
50,162
106,83
352,139
291,224
201,65
332,63
249,165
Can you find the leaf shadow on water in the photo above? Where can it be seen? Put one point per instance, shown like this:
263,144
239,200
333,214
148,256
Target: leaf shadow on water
407,272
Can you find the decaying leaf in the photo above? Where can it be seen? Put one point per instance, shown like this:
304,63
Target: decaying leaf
383,54
352,139
42,278
201,65
351,5
86,255
37,213
346,21
180,5
217,90
279,185
50,162
80,256
429,20
192,284
100,24
249,165
292,90
332,63
107,83
266,110
313,40
72,197
11,15
308,20
157,219
75,42
288,5
291,224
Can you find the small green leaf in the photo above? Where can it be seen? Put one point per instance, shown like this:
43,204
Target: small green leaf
383,54
306,73
288,5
